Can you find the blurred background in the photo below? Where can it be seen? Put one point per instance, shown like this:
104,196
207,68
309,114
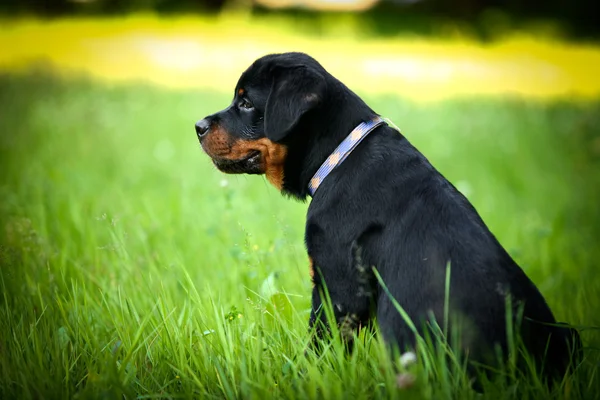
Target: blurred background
426,49
109,209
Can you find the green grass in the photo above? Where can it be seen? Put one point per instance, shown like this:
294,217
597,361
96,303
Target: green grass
130,267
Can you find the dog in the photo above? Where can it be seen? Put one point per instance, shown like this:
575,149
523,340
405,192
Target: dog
384,225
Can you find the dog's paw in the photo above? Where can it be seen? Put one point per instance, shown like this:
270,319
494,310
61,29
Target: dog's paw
405,380
407,359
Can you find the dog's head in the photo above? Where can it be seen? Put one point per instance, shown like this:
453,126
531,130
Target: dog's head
271,98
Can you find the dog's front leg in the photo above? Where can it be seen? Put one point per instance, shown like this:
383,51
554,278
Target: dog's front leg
318,324
350,308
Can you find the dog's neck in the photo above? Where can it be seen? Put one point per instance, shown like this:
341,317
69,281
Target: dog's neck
318,136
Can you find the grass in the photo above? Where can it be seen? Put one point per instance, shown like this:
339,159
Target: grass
130,267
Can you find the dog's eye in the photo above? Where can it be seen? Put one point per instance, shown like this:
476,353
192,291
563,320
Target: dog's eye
245,104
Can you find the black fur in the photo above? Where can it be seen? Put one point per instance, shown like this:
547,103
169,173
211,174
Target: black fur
387,207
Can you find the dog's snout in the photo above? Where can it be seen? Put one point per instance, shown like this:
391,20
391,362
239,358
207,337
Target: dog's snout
202,128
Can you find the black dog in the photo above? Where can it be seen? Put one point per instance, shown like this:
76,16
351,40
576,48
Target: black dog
382,207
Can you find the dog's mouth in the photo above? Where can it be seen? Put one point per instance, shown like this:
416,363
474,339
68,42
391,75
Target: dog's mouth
251,164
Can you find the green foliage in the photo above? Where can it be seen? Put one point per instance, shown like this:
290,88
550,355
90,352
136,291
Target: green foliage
130,267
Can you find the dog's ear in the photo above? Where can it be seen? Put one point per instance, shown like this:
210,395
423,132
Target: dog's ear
294,91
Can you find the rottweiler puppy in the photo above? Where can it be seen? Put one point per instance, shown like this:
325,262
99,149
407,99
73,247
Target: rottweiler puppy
383,223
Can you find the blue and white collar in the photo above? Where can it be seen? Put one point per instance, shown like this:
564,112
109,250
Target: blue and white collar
343,150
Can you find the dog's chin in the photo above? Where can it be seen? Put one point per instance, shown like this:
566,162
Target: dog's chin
251,164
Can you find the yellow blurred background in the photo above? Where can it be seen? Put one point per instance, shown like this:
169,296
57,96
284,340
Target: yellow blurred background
210,52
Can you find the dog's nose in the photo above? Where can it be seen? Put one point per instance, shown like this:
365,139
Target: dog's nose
202,128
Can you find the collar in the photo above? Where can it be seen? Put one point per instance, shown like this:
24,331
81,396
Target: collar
342,151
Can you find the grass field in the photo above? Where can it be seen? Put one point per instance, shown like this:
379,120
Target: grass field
130,267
